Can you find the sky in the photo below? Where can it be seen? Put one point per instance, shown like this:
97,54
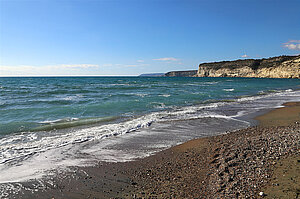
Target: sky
131,37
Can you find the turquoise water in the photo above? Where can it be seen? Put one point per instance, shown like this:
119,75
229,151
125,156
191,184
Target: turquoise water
47,103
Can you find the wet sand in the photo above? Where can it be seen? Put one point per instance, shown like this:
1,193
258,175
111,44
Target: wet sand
284,116
239,164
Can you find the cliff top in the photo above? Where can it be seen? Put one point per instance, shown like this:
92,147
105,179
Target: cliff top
252,63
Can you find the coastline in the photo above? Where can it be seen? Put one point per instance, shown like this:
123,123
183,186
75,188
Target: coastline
237,164
281,116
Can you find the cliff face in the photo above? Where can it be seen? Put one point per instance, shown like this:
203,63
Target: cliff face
275,67
188,73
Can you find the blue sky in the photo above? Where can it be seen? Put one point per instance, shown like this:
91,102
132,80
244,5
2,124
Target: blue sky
130,37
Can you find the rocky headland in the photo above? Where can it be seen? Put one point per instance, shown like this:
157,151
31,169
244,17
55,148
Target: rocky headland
274,67
188,73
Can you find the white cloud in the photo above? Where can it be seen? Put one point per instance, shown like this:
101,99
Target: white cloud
48,70
295,41
292,45
140,61
167,59
245,56
79,65
107,65
136,65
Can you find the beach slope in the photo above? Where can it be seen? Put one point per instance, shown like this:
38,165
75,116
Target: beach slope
241,164
260,161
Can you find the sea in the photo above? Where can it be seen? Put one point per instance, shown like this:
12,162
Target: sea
48,125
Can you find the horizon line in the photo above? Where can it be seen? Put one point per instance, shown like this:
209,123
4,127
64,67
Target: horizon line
69,76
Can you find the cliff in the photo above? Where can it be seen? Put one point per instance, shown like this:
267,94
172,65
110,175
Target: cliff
188,73
274,67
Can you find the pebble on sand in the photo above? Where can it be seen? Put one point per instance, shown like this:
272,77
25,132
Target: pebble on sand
261,193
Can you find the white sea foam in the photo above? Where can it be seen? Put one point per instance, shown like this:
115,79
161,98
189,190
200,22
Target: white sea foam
210,83
159,105
59,120
70,97
119,85
15,148
228,89
141,94
164,95
239,114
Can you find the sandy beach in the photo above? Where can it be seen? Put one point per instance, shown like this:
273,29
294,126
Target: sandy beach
257,162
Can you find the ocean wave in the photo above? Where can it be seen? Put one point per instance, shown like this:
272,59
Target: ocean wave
58,120
23,146
210,83
164,95
71,122
228,89
140,94
70,97
26,144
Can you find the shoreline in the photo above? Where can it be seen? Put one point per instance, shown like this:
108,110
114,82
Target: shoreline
205,167
280,116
